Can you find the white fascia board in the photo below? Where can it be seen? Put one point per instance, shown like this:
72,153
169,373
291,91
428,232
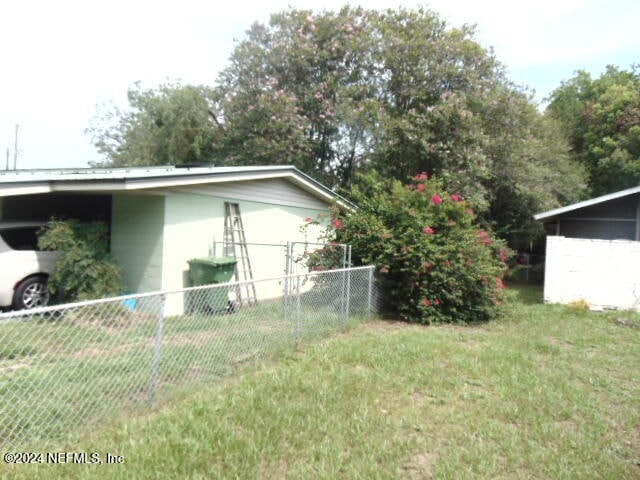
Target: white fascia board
135,184
586,203
150,180
24,189
143,184
319,192
79,186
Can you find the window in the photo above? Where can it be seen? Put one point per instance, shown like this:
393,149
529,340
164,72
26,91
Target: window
22,238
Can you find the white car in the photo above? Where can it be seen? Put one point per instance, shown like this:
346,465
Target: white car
24,269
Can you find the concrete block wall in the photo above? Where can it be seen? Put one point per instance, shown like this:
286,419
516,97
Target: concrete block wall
604,273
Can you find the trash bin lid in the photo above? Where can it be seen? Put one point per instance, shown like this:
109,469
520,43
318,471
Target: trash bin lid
213,261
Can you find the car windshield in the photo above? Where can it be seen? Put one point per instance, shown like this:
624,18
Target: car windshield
21,238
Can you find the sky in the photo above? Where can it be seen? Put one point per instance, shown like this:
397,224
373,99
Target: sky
62,60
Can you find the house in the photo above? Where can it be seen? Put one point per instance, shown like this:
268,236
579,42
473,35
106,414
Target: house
160,217
593,251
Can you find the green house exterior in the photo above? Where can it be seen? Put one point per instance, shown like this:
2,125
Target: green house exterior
162,217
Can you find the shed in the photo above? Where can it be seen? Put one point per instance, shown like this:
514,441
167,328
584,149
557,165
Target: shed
593,251
160,217
609,217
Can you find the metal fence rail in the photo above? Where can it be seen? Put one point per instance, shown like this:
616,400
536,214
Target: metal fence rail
67,367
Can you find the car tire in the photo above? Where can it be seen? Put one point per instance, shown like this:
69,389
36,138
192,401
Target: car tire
32,292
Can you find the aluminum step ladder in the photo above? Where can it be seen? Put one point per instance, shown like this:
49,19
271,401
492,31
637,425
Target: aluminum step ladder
235,246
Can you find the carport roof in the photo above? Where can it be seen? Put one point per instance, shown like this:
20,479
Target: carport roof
552,214
109,180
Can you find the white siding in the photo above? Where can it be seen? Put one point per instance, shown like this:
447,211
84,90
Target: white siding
275,191
604,273
137,224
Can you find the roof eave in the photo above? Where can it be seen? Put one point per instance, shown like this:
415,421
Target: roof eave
128,182
552,214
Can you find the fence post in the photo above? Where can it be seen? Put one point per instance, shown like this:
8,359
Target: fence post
155,368
287,279
347,307
298,317
369,294
343,285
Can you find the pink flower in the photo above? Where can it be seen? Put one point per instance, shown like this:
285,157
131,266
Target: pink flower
447,263
308,219
337,224
421,176
426,302
483,237
421,187
437,302
437,199
428,230
456,198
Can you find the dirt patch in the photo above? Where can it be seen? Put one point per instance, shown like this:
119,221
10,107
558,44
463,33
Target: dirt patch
560,343
420,466
419,398
391,325
568,426
109,352
198,340
468,329
13,368
274,471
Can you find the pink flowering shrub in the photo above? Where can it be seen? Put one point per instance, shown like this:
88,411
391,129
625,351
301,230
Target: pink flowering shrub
435,263
329,256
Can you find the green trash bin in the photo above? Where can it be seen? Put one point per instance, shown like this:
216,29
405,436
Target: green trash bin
208,270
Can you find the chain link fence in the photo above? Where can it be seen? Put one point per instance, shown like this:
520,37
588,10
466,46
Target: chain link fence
68,367
527,268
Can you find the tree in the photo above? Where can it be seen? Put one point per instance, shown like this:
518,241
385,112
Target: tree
601,118
435,263
172,124
338,93
532,170
319,70
399,92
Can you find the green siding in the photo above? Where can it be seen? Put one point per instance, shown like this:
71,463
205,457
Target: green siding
193,221
137,225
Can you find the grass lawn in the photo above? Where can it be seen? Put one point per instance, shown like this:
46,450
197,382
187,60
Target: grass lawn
544,392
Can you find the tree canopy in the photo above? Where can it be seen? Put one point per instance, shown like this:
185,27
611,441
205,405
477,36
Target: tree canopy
601,118
339,93
169,125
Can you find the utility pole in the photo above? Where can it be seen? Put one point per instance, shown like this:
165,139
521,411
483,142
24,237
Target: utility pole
15,150
7,167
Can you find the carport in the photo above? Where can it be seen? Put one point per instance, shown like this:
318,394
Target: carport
43,206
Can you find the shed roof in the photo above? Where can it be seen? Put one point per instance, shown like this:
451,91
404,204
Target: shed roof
552,214
96,180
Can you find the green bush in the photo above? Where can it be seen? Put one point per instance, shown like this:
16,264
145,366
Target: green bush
435,263
85,269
